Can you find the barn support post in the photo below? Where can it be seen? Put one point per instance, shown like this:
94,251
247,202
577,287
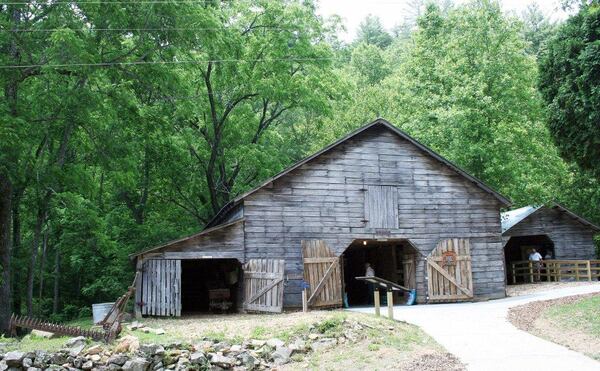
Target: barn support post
514,274
589,270
304,301
137,305
390,303
376,300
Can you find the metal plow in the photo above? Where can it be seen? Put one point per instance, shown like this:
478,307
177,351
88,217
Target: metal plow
55,328
111,324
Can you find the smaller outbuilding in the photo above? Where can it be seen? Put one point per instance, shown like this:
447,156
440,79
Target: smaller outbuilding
553,231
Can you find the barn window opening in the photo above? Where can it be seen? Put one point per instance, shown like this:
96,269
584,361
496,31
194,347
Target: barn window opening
518,249
381,207
210,286
393,260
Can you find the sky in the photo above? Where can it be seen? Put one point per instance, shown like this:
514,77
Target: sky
392,12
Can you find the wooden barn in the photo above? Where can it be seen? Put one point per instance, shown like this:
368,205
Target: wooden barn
376,195
554,231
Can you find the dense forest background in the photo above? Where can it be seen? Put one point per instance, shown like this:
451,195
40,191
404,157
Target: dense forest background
124,124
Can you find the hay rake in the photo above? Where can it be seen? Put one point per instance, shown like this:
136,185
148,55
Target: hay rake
111,323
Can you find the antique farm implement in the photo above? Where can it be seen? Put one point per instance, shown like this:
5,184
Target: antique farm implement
111,324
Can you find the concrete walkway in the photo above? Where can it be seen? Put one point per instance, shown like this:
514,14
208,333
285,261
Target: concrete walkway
481,336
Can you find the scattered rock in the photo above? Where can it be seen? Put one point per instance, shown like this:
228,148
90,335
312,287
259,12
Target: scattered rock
205,346
136,364
221,347
220,360
128,343
75,341
27,362
257,343
43,334
135,325
3,365
157,331
324,343
75,345
59,358
87,366
275,343
117,359
281,355
151,349
313,336
95,358
198,358
249,361
96,349
298,346
14,359
236,348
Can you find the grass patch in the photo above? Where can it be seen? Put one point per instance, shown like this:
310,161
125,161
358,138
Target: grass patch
332,326
582,315
259,332
31,343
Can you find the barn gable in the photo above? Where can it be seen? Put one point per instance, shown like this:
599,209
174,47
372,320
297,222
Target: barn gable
227,209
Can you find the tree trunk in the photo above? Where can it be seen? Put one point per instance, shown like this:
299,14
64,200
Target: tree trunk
56,281
16,248
5,253
42,264
35,247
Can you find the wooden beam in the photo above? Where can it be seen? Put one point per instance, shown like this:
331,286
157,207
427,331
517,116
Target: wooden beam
443,272
264,290
321,284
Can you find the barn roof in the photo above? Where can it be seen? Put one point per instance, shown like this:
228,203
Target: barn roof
513,217
215,222
379,122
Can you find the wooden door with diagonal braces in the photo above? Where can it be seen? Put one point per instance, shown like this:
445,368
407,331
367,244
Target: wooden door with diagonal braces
263,285
449,276
323,273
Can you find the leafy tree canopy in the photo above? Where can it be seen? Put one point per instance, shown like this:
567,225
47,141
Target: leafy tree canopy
570,84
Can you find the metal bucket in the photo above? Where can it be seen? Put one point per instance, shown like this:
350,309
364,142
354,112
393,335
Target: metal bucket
99,311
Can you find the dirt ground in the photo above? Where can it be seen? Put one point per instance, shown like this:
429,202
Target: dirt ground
530,288
533,318
388,345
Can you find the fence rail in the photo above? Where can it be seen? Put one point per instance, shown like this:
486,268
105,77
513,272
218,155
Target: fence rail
555,270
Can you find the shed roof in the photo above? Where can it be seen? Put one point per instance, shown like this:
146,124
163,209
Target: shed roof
378,122
513,217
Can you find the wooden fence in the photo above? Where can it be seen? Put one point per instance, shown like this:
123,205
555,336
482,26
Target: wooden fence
555,270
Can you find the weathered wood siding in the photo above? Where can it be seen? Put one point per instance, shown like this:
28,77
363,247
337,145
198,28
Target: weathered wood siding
324,200
223,243
572,239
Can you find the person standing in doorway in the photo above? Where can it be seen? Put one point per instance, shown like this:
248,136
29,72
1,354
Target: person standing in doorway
536,259
369,272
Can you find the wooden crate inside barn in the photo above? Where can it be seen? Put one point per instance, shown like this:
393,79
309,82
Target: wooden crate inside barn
219,299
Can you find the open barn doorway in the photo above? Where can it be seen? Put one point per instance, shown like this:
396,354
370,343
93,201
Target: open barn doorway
210,285
518,249
393,260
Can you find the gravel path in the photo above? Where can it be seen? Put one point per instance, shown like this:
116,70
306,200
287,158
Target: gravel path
530,317
481,336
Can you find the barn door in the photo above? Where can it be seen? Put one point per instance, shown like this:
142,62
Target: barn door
449,271
263,285
161,287
323,274
410,276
